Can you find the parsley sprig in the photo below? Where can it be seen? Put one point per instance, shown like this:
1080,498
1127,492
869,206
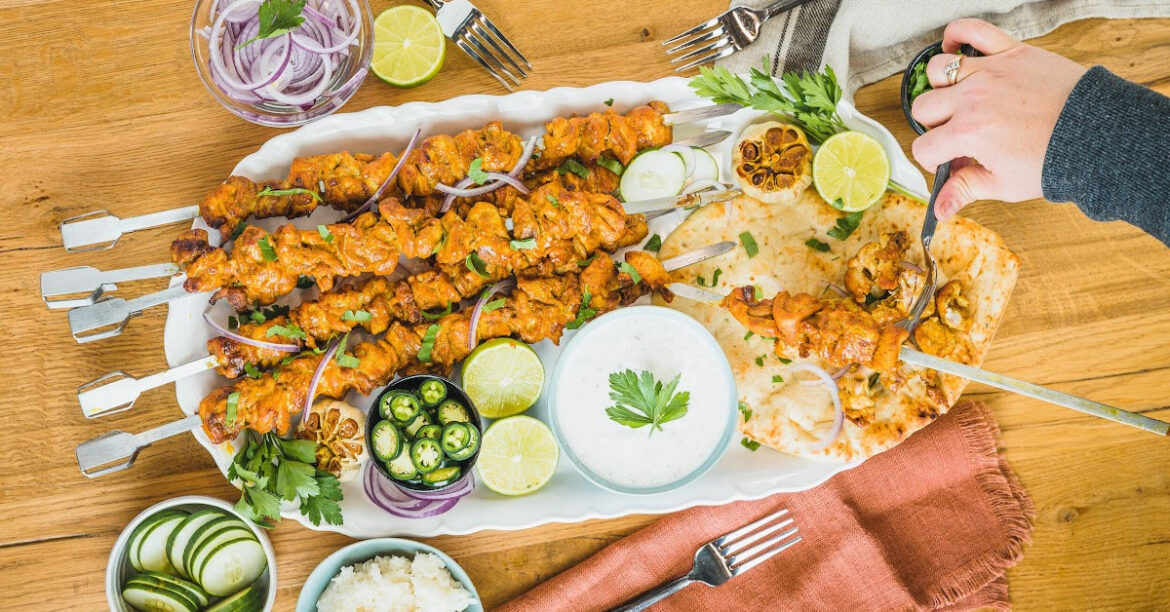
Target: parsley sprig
640,400
277,17
272,469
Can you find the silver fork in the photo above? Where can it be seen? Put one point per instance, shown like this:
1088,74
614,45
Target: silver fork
929,225
725,34
726,557
473,32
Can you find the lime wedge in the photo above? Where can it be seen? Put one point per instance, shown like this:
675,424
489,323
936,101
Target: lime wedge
503,377
518,455
409,46
851,167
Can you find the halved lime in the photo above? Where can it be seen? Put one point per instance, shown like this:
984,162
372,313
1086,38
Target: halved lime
518,455
503,377
409,46
851,167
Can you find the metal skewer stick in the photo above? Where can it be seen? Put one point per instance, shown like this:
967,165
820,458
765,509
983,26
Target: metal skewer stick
117,450
117,391
83,285
102,229
999,381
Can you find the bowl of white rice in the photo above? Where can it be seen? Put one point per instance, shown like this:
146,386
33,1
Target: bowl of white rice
388,575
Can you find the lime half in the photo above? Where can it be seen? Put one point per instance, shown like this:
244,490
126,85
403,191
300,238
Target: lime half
851,167
518,455
409,46
503,377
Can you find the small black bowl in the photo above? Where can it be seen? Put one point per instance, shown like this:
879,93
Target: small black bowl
924,56
412,383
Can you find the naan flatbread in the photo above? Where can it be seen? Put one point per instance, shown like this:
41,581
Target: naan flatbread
791,417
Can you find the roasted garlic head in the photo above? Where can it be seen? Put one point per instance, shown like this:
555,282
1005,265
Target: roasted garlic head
339,431
773,162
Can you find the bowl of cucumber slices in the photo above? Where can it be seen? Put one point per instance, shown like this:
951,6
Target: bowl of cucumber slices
193,554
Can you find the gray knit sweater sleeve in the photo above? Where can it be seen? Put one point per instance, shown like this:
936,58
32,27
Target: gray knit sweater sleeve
1110,153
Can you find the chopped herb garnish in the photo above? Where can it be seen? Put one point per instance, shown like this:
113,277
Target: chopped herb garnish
609,102
783,360
233,404
348,361
435,316
640,400
574,166
266,249
749,244
653,244
288,331
846,225
584,263
521,245
777,379
750,444
748,335
477,265
326,235
745,411
268,191
493,305
584,313
760,360
612,165
428,343
239,230
628,269
251,370
233,323
357,316
277,17
552,200
475,171
257,317
702,280
757,292
305,281
816,245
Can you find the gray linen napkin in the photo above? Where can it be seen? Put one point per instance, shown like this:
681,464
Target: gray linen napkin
867,40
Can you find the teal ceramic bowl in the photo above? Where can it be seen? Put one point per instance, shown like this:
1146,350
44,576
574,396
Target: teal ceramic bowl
366,550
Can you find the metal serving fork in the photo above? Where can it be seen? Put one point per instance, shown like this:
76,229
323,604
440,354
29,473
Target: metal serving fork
726,557
725,34
473,32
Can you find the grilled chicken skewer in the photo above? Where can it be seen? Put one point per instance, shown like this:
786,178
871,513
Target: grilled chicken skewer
540,308
553,230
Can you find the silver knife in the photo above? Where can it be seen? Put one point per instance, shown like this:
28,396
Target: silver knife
998,381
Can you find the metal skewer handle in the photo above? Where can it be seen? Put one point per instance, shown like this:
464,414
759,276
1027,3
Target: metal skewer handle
83,285
99,230
117,450
107,318
117,391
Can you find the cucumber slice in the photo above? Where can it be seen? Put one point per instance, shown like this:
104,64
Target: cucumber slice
232,565
401,467
187,588
152,549
199,558
206,531
653,174
706,168
177,543
135,541
156,598
248,600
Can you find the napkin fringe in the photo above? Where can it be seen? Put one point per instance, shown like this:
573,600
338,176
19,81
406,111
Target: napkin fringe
1007,499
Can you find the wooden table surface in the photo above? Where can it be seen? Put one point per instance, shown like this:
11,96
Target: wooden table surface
102,109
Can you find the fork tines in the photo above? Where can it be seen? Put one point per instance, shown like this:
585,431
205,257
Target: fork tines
703,43
743,549
477,35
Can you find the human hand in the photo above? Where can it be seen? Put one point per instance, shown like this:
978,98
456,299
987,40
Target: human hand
996,121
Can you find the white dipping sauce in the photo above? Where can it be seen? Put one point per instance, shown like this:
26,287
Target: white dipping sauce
665,347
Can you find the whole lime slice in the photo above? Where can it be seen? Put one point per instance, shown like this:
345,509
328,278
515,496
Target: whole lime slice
851,167
518,455
409,46
503,377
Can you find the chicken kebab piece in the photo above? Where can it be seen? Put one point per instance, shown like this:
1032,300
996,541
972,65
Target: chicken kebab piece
539,308
346,181
553,231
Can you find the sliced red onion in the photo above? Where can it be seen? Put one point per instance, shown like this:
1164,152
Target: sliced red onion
461,189
325,359
838,412
457,490
687,154
389,179
472,338
394,504
510,180
272,346
702,184
836,376
836,289
909,265
524,157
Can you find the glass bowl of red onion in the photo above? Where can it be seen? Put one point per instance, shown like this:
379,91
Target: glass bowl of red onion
282,63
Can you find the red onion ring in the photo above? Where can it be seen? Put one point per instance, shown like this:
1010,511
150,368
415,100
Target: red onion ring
394,504
529,148
909,265
472,338
835,376
325,359
272,346
461,190
838,413
510,180
457,490
389,179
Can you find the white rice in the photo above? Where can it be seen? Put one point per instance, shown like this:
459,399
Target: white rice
395,584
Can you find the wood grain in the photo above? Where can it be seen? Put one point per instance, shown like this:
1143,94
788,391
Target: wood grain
102,109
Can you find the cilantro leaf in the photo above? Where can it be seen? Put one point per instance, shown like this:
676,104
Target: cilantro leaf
628,269
251,370
521,245
357,316
552,200
476,264
324,506
584,312
609,102
475,171
266,249
277,17
745,411
749,244
750,444
574,166
846,225
300,450
640,400
653,244
288,331
816,245
493,305
348,361
295,479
